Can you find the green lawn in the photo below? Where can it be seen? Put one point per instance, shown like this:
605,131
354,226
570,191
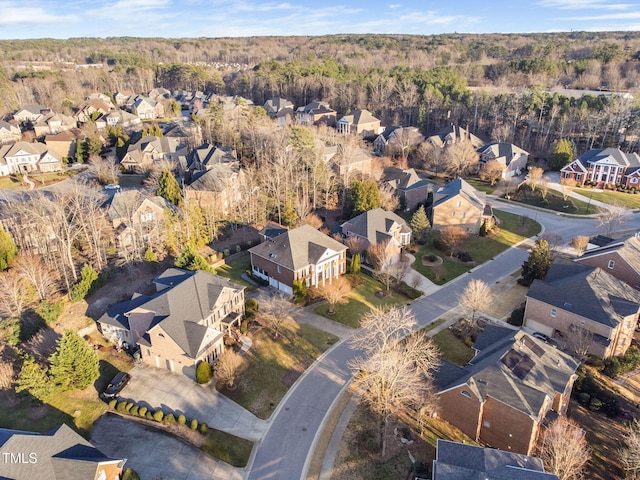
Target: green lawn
452,348
481,185
554,201
273,365
228,448
513,229
625,200
234,269
361,299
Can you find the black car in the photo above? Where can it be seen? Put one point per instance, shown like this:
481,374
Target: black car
115,386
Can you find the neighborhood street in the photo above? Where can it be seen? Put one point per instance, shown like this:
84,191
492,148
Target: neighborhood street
287,447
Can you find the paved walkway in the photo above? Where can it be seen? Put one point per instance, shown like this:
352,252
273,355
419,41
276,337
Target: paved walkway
416,280
307,316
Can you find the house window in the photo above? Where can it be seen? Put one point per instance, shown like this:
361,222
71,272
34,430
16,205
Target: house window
458,203
466,394
453,213
486,423
161,335
634,180
611,264
279,269
463,214
553,312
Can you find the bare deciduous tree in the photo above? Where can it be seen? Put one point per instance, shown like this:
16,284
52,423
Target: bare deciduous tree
491,171
392,373
227,366
563,449
535,177
15,294
630,453
579,340
473,298
610,218
335,292
461,158
105,170
381,256
566,184
355,244
37,273
580,244
453,236
275,311
7,374
554,241
389,201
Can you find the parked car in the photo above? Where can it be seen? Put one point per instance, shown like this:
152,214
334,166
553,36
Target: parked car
115,386
112,186
541,336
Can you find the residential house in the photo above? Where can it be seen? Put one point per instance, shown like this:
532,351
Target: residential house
513,159
159,93
273,106
150,149
53,123
9,133
285,117
459,204
180,325
23,157
147,108
30,113
583,306
102,97
206,156
316,113
620,258
354,162
376,226
119,117
218,187
122,97
407,186
397,140
455,134
605,166
93,107
271,230
60,454
138,221
304,254
515,385
456,461
360,122
64,143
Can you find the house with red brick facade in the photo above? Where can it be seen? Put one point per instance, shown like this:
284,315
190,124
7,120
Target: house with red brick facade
609,166
620,258
183,323
514,386
303,253
574,298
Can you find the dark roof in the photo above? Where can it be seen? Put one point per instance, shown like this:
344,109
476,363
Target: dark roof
403,180
215,179
459,461
462,188
272,230
586,291
61,454
628,249
614,154
375,225
517,370
297,248
125,202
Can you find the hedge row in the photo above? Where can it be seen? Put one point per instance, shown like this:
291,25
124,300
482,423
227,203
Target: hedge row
158,415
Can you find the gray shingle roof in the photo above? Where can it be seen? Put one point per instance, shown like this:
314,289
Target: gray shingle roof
459,461
297,248
628,249
453,134
375,225
503,149
124,203
586,291
215,179
615,154
462,188
403,179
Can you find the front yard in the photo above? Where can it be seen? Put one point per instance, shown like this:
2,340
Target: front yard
621,199
553,201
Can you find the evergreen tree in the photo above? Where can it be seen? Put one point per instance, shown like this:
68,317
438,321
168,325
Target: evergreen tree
83,288
563,152
33,378
168,188
150,256
74,364
420,223
364,196
81,151
354,266
189,259
538,263
8,249
289,215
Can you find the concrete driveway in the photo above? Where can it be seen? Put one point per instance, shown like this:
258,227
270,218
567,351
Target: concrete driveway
155,454
156,388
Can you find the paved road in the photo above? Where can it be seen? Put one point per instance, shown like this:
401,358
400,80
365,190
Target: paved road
288,444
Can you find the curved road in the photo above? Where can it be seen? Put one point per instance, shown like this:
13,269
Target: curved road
287,445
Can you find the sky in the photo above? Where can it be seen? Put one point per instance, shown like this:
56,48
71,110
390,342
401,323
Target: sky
21,19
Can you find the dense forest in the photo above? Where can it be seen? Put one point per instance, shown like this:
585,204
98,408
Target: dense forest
503,87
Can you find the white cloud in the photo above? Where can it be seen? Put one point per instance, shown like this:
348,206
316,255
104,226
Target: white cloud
607,16
13,15
584,5
393,6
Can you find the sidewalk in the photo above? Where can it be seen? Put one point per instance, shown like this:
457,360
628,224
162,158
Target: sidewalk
416,280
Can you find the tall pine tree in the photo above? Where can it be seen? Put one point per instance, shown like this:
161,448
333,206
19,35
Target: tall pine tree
168,188
74,364
538,263
8,249
420,223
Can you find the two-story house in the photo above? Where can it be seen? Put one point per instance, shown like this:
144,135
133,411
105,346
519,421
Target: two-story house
459,204
52,123
454,134
605,166
512,158
180,325
30,113
316,113
397,140
150,149
303,253
575,298
275,105
620,258
9,133
376,226
410,189
359,122
508,391
27,157
146,108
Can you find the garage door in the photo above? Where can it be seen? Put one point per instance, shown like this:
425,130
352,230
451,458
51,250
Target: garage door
539,327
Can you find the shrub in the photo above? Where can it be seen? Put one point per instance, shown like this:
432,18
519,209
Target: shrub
584,398
120,406
128,407
432,258
251,307
194,424
169,418
182,419
595,404
517,316
611,367
149,415
158,415
299,291
135,410
143,411
130,474
203,372
464,257
204,428
50,312
81,289
238,249
112,403
226,252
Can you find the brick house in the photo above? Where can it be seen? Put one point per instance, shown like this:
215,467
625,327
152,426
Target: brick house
378,225
316,113
454,134
620,258
605,166
406,185
58,454
303,253
459,204
512,387
183,323
150,149
575,296
360,122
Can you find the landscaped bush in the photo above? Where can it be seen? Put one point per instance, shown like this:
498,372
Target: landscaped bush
143,411
134,410
169,418
120,406
81,289
517,316
130,474
50,312
464,257
194,424
203,373
238,249
251,307
614,366
112,403
149,415
204,428
606,401
299,291
158,415
226,252
182,419
128,407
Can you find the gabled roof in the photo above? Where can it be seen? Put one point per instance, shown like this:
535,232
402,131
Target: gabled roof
628,249
462,188
502,149
33,109
9,127
401,179
215,179
160,144
517,370
207,154
460,461
126,202
453,134
375,225
586,291
297,248
359,116
614,155
275,105
60,454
